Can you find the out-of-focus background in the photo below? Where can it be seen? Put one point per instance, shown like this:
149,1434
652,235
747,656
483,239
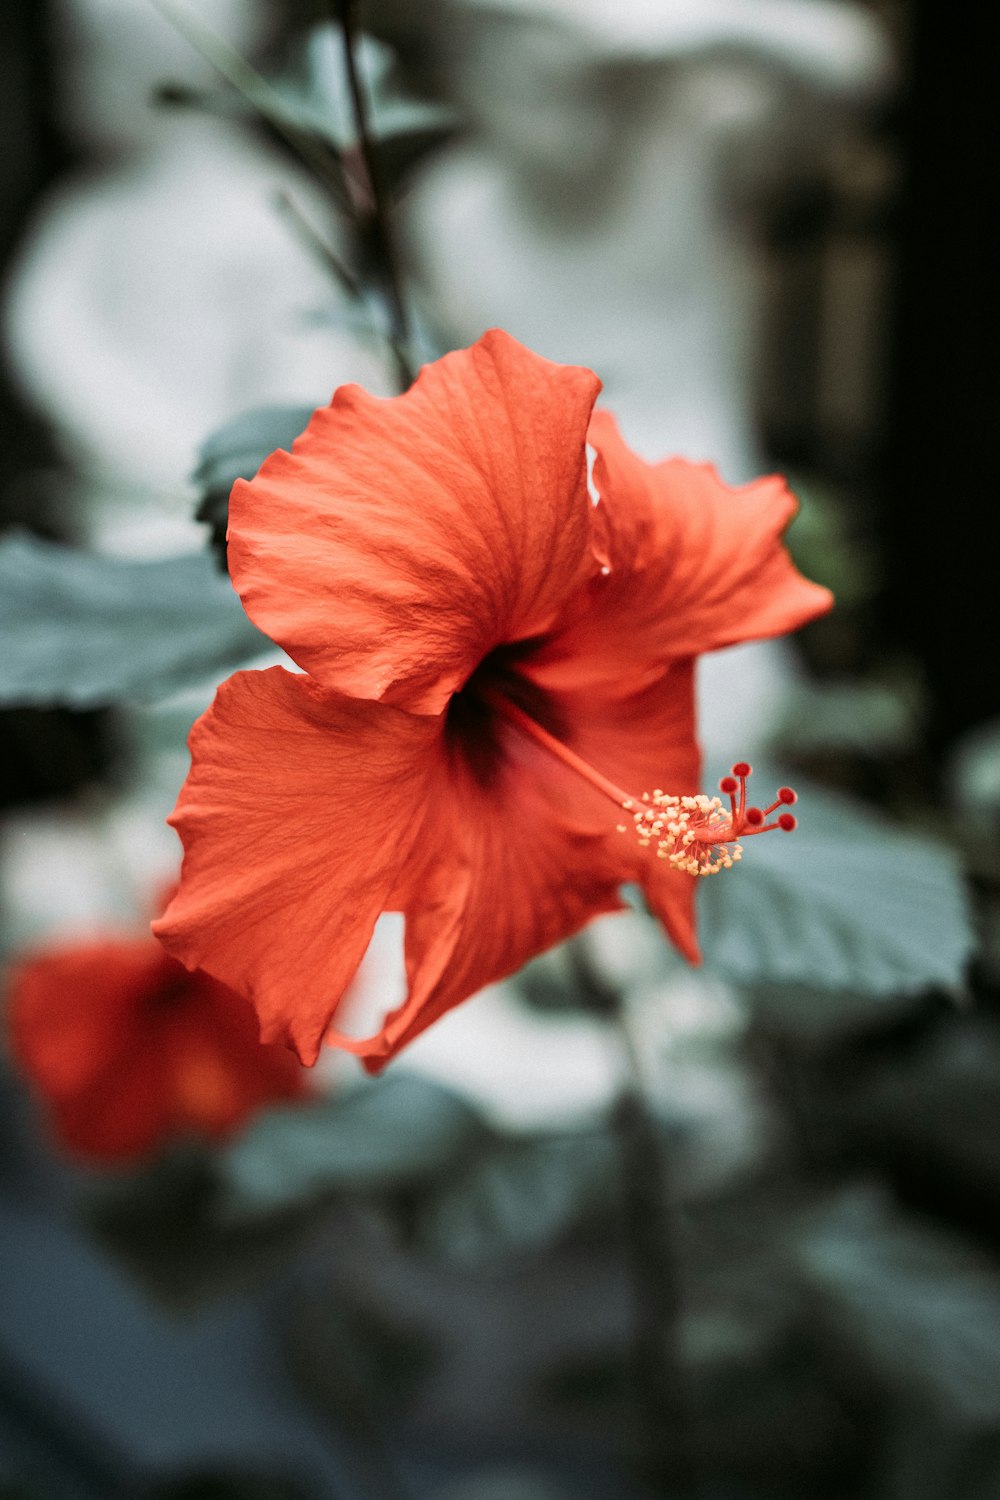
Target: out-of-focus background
764,223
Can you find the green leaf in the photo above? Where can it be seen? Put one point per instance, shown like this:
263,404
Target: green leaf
917,1306
862,717
828,542
474,1194
236,451
161,1223
973,777
316,99
519,1195
375,1137
308,103
933,1116
846,902
85,630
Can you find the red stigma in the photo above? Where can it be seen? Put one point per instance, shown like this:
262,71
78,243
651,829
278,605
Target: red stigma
696,834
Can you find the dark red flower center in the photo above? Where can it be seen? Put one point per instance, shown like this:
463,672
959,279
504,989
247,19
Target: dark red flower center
173,986
471,727
694,834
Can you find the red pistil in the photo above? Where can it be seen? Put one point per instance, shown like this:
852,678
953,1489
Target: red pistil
692,833
534,730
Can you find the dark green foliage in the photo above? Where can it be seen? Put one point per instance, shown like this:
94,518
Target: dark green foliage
236,451
847,902
398,1133
86,630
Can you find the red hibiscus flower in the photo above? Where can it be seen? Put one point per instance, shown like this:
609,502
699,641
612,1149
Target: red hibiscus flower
496,665
129,1050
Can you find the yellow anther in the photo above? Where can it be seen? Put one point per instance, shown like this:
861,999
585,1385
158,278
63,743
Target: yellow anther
697,833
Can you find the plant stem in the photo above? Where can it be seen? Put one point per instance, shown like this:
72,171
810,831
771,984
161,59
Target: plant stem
317,246
382,230
666,1426
255,89
664,1408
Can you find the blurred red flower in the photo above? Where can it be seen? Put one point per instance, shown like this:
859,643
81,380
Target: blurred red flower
129,1050
491,657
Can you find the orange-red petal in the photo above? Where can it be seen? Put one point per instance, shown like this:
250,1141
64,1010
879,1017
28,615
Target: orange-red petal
507,869
543,853
511,866
300,808
217,1071
127,1049
644,741
124,1113
71,1009
693,565
403,539
75,1018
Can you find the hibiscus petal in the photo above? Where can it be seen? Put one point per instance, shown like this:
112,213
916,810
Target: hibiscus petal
642,742
671,896
404,539
297,814
530,878
218,1072
694,565
71,1012
124,1112
543,854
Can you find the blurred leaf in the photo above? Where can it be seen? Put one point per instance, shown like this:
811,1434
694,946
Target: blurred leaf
315,96
236,451
521,1481
828,544
162,1224
350,1351
846,902
236,1484
376,1137
87,630
257,94
550,982
471,1193
519,1195
975,773
932,1119
819,1018
867,718
309,106
919,1307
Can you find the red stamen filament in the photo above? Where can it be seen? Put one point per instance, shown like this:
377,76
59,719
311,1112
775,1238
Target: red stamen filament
555,747
692,833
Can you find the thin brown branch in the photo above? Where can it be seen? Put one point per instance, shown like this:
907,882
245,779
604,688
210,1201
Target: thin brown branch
383,232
